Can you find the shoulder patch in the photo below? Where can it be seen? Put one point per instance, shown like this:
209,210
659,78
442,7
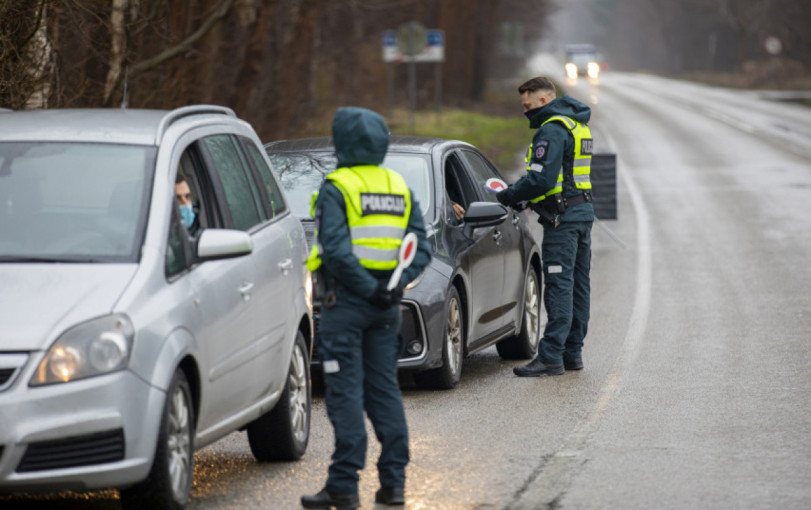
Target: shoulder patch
540,150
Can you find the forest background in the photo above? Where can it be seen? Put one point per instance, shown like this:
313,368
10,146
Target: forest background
285,65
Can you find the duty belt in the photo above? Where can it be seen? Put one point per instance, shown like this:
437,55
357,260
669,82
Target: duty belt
550,208
557,204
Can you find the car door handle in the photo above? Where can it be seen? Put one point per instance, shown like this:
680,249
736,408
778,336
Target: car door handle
285,265
516,219
245,290
497,235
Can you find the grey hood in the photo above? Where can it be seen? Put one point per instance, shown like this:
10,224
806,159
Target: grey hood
40,301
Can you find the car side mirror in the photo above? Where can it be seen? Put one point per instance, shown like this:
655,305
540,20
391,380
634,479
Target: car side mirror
215,243
483,214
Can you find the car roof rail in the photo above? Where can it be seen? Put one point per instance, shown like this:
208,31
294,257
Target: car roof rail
186,111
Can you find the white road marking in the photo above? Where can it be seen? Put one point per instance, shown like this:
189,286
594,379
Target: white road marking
554,479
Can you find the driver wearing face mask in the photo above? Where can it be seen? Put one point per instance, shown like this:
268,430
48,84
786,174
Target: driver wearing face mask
184,200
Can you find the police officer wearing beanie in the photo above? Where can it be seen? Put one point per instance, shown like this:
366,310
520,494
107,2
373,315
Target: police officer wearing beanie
362,213
557,186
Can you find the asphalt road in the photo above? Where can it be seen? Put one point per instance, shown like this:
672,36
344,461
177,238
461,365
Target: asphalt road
698,362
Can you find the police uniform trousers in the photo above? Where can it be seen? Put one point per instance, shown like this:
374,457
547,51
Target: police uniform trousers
566,252
359,351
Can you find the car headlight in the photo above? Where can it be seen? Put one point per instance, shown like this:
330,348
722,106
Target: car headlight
95,347
593,69
571,70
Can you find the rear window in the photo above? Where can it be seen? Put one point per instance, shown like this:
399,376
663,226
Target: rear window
302,173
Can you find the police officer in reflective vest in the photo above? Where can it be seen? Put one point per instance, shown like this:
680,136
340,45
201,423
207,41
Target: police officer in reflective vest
362,213
557,187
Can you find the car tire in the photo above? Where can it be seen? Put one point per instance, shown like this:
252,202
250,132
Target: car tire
283,432
453,349
525,344
169,481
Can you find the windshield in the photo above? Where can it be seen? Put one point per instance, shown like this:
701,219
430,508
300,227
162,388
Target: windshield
302,173
582,59
73,202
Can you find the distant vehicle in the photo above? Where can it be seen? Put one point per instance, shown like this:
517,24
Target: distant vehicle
582,60
483,285
133,333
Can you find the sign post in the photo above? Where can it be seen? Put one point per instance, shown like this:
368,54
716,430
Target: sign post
412,43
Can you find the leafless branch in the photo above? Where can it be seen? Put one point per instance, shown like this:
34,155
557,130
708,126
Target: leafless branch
184,45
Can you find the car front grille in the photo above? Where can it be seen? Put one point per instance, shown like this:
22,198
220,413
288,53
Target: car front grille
11,364
5,375
76,451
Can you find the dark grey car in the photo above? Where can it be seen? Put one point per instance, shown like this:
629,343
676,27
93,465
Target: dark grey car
483,284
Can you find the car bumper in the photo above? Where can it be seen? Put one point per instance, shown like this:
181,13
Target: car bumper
413,337
94,433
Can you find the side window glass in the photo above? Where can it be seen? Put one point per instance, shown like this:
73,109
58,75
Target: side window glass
241,194
189,215
274,194
481,172
187,194
456,199
177,251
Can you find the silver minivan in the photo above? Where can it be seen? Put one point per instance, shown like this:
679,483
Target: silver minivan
153,298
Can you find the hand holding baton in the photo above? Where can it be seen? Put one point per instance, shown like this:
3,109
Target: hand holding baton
408,249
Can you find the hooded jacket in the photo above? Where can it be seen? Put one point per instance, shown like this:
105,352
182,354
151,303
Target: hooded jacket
553,145
361,138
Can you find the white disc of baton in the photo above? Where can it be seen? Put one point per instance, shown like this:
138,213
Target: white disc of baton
495,184
408,249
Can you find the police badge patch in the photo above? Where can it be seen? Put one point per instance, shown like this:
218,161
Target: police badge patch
382,203
540,150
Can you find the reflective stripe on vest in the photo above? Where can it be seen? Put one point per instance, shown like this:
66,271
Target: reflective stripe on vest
378,206
581,166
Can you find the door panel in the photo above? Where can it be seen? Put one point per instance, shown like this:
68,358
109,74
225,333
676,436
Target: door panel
479,254
235,339
481,169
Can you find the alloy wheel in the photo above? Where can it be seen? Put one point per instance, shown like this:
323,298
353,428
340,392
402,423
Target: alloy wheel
297,382
178,442
453,342
532,311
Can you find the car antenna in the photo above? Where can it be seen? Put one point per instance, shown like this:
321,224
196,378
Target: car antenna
124,95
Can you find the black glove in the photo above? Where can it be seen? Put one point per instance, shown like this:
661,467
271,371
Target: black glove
384,298
503,197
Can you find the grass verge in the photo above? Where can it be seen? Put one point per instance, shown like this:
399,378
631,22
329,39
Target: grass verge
502,139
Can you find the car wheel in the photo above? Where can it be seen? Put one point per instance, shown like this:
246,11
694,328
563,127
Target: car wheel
447,376
169,481
525,344
283,432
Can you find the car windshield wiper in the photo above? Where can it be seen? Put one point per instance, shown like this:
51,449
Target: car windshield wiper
46,260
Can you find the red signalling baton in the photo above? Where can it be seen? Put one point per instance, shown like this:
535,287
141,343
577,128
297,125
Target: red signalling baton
494,185
407,251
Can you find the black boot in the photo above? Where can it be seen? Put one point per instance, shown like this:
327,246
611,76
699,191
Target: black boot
572,363
537,369
325,500
390,496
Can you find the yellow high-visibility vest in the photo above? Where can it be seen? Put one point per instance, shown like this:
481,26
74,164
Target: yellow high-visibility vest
581,168
378,206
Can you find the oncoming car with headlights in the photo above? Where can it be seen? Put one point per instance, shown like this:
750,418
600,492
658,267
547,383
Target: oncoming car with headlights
133,334
582,60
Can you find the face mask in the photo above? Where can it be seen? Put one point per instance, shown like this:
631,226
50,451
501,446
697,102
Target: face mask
530,113
187,213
